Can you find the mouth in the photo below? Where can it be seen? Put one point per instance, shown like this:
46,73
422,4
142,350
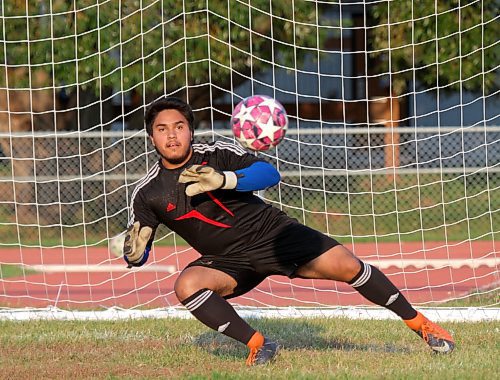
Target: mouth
173,145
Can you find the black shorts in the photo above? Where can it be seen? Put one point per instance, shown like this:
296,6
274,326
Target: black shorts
294,246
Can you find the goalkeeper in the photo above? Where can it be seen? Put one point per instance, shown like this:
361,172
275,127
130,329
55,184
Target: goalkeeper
204,192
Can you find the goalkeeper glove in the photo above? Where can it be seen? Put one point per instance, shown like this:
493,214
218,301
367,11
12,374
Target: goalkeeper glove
202,178
140,263
135,250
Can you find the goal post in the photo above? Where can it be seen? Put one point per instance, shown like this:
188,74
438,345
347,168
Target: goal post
392,148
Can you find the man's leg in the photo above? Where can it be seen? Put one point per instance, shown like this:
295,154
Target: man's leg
201,291
340,264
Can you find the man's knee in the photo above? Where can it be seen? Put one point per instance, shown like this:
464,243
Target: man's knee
195,278
352,268
186,285
348,265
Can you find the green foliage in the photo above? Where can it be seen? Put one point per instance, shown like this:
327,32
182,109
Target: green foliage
450,44
151,45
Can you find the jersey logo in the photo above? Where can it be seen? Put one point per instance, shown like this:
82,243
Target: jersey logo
170,207
223,327
197,215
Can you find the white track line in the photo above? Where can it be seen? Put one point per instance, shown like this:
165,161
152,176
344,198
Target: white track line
382,264
435,263
467,314
56,268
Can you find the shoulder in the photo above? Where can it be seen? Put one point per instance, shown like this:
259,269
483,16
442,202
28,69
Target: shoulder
147,179
218,146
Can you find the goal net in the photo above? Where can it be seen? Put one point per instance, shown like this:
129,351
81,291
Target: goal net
392,149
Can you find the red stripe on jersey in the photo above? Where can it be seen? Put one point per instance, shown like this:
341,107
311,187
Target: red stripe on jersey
219,203
197,215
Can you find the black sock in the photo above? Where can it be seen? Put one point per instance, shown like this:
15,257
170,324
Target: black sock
215,312
372,284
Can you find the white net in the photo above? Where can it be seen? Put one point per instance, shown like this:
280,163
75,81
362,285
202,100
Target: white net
393,147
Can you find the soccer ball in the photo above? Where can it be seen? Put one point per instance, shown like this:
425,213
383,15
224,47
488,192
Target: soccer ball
115,245
259,122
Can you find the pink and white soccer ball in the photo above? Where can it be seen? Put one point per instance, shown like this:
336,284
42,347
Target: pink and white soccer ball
259,122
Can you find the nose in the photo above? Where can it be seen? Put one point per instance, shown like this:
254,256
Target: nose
172,133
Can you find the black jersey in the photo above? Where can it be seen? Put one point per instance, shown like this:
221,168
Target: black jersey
214,223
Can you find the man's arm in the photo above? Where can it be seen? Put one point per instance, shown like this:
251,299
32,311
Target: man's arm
202,178
258,176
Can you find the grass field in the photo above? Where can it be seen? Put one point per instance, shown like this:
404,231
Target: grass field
7,271
173,348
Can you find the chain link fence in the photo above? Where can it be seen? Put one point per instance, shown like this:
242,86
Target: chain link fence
73,188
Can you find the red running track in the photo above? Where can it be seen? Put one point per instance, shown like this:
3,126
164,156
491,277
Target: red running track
90,278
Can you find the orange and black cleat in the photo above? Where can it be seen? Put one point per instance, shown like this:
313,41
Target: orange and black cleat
263,354
434,335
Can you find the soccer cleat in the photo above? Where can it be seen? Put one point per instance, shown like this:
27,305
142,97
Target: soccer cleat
434,335
263,354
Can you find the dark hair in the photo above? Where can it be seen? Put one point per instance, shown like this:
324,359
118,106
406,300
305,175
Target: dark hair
168,103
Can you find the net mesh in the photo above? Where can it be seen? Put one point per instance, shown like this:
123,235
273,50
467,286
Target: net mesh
392,146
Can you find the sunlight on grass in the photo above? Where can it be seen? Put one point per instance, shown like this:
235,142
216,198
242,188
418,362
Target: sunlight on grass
477,298
173,348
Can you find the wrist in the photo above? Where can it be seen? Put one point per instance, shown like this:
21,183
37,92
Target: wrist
140,261
231,180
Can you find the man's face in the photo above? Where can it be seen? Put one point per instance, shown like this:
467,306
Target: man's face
172,138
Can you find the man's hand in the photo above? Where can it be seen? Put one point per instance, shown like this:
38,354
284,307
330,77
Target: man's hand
202,178
134,247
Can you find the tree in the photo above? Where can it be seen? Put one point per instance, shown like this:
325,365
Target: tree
151,46
446,44
89,49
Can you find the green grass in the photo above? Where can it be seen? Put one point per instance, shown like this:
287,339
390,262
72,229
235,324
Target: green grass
7,270
425,207
477,298
173,348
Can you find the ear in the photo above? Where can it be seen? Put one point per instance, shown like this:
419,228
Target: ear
152,141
